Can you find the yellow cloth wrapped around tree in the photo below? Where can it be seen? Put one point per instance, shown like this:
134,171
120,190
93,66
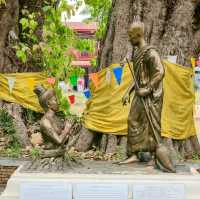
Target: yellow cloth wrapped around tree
178,105
104,111
21,88
106,114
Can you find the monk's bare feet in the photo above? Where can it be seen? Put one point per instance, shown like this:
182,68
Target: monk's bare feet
151,163
132,159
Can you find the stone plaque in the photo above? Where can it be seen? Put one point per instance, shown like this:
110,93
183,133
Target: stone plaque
159,191
45,190
101,191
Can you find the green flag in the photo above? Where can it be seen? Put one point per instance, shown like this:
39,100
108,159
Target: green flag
73,80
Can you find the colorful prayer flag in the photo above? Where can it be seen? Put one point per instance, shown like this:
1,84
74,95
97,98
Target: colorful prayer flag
72,99
87,93
80,86
95,78
51,80
118,74
198,63
11,82
108,76
63,86
172,58
73,80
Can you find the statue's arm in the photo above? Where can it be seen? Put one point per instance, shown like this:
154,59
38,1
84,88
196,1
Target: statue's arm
156,69
48,129
126,97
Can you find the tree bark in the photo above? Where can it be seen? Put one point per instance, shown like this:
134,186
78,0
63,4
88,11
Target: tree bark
170,25
10,15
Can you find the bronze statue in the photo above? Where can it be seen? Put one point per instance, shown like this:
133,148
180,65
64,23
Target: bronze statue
145,113
55,131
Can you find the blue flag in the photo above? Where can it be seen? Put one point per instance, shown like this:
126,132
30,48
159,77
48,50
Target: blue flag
87,94
118,74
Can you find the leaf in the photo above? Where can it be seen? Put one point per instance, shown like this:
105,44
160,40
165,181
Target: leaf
33,24
21,56
46,8
35,47
24,23
64,105
3,2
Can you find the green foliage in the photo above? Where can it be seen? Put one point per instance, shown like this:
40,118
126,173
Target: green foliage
99,10
31,116
2,2
195,156
14,150
63,102
50,51
119,153
35,153
87,45
24,48
94,62
57,40
6,122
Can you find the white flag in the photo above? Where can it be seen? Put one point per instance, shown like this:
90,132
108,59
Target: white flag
80,84
63,86
11,82
108,76
172,58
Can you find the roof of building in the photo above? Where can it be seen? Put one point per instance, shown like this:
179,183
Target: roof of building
81,56
83,27
81,63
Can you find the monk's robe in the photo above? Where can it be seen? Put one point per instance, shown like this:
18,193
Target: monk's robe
149,73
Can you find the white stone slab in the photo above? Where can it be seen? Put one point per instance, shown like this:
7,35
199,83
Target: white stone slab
100,191
45,190
159,191
191,182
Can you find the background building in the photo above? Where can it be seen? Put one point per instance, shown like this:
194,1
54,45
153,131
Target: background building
83,59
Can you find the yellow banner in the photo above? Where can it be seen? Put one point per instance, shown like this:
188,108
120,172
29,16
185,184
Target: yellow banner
106,114
104,111
179,100
18,88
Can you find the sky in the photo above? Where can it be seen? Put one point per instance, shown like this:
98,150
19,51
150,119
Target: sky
77,17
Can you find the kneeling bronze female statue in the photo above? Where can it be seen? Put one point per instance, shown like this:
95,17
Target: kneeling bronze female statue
55,132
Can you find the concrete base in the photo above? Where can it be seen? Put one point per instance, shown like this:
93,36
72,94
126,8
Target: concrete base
191,182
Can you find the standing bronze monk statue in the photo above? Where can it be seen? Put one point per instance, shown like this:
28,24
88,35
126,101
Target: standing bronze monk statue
144,120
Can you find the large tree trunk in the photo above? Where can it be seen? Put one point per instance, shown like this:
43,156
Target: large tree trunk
10,15
173,26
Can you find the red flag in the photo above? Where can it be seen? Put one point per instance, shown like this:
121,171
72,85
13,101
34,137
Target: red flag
72,99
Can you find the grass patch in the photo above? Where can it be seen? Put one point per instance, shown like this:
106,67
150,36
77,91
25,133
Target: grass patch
7,125
13,151
35,153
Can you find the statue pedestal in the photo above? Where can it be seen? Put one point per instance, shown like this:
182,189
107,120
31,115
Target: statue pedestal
100,173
